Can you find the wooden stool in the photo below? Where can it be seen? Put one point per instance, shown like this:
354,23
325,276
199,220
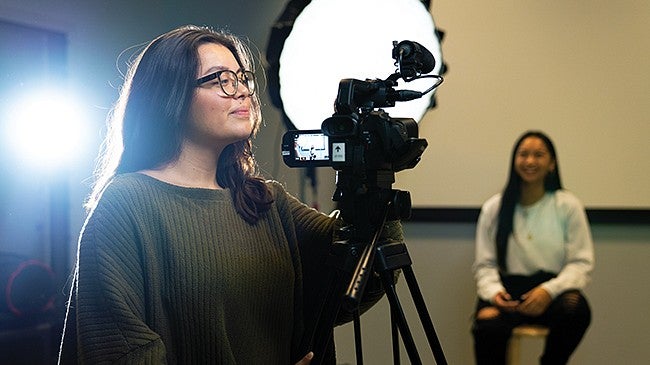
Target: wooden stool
525,330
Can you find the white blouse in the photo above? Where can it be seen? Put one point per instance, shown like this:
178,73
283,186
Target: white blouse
552,235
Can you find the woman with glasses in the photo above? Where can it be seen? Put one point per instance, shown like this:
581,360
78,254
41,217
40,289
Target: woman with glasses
534,255
189,256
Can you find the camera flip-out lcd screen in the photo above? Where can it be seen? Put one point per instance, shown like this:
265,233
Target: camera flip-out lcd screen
305,148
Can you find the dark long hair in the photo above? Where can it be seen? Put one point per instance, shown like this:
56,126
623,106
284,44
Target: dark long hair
147,125
512,193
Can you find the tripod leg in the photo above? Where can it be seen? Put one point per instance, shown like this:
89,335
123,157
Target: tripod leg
395,337
394,256
396,308
357,338
418,299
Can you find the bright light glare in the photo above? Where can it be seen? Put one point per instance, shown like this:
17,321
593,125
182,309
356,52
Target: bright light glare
340,39
45,129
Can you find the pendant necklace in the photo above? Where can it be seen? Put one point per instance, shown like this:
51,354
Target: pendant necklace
528,217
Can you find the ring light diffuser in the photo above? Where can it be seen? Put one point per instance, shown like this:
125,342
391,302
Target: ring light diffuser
339,39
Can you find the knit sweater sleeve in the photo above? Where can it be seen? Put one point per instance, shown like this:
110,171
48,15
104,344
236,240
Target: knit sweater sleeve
315,233
110,293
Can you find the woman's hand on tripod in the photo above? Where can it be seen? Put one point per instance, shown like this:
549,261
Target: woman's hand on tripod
306,360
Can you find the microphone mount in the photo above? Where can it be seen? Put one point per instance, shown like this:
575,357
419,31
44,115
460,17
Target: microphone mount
413,59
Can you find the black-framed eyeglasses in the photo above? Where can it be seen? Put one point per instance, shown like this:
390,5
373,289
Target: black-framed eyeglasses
229,80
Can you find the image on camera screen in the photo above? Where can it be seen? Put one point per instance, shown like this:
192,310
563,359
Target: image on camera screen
311,147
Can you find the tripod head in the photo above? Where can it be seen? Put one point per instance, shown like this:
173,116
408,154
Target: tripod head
363,196
366,208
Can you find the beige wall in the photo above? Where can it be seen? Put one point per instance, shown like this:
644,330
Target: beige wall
575,69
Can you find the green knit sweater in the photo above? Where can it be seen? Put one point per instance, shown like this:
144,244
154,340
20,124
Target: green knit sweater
168,274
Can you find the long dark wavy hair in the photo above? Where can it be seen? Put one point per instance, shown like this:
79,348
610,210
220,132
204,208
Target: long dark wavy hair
147,124
512,193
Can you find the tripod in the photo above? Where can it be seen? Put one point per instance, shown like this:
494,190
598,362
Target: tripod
354,261
393,257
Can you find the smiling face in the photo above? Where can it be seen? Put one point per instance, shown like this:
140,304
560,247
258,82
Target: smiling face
533,161
216,120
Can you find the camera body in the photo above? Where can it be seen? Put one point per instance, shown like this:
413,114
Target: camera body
357,136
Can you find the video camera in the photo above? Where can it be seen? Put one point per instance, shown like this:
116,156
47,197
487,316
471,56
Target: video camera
364,144
358,136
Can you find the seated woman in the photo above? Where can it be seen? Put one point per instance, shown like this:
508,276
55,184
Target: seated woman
534,255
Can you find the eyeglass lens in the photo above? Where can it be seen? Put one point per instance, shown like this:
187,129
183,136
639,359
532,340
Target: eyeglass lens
229,82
